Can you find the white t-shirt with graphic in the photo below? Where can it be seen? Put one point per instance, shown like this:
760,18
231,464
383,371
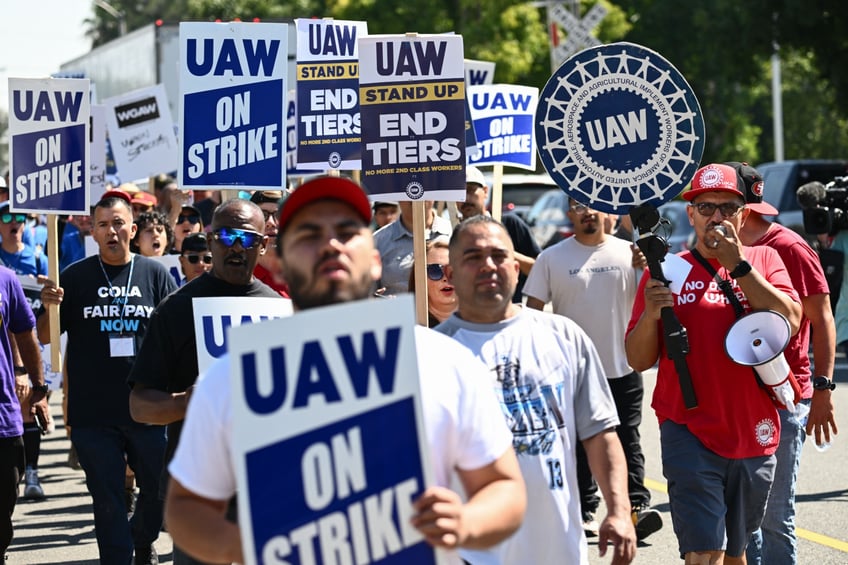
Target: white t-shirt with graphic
460,415
553,393
595,286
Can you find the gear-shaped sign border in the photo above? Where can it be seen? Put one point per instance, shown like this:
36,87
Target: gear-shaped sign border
619,180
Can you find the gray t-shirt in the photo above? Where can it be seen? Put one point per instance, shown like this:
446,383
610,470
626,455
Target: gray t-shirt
552,389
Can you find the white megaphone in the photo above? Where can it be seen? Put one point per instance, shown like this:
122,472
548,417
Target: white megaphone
758,340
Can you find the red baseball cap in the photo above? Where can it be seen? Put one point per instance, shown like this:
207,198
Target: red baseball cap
144,198
325,188
715,178
114,193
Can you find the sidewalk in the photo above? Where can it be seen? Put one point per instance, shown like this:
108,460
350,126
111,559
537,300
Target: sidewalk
60,528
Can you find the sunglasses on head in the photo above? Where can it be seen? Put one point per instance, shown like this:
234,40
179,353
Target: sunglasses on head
8,218
192,219
728,209
195,259
229,236
435,272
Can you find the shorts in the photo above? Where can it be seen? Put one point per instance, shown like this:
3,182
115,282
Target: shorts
716,503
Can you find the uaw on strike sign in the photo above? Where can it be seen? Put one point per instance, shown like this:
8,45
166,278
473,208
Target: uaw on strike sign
618,126
329,436
232,105
49,145
412,105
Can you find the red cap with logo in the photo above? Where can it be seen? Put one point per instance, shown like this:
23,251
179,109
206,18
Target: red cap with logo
715,178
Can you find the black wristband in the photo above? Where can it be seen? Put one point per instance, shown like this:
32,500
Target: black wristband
20,371
742,269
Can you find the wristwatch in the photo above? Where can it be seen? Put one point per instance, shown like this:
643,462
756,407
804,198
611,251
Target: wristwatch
40,388
823,383
742,269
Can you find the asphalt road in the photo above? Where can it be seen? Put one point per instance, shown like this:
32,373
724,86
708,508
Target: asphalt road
60,529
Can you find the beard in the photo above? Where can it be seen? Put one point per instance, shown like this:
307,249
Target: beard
304,295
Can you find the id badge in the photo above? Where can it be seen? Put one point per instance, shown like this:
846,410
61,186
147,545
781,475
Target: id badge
121,345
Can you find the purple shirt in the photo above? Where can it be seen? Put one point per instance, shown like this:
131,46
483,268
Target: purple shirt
15,316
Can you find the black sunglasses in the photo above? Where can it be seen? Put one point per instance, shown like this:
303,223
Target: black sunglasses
195,259
229,237
8,218
728,209
192,219
435,272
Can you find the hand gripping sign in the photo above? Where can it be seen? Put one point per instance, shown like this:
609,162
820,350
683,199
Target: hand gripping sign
329,435
618,126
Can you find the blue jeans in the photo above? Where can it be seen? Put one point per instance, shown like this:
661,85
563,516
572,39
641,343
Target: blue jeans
775,542
104,452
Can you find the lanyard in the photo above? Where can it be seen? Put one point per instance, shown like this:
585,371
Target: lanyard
119,300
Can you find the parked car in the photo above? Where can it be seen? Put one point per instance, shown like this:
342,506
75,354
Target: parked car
520,191
783,179
547,219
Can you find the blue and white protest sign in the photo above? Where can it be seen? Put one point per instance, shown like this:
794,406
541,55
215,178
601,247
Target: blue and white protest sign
476,72
214,316
618,126
503,119
48,145
97,167
142,133
412,100
329,438
329,134
233,105
479,72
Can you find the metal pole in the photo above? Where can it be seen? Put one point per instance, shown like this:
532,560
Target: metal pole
777,104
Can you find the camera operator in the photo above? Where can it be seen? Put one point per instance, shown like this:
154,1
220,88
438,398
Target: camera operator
776,543
718,457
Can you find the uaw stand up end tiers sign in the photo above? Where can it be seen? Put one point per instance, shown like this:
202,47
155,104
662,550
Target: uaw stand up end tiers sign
618,126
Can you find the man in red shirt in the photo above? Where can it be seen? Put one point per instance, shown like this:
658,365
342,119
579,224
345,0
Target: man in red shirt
718,457
776,543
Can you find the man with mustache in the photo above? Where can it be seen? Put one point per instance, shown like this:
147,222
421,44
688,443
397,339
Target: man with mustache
718,456
163,376
572,275
106,302
553,394
526,248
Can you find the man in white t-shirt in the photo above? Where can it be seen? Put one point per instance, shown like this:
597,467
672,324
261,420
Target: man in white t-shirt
575,275
327,257
553,394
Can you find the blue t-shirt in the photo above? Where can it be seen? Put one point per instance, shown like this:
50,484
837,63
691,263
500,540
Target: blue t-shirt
25,262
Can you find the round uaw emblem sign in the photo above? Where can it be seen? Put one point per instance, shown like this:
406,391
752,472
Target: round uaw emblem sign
618,126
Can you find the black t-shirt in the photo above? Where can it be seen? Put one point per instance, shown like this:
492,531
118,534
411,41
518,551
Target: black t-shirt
168,357
100,304
524,243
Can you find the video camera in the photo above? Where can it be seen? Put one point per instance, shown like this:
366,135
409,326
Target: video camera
825,206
